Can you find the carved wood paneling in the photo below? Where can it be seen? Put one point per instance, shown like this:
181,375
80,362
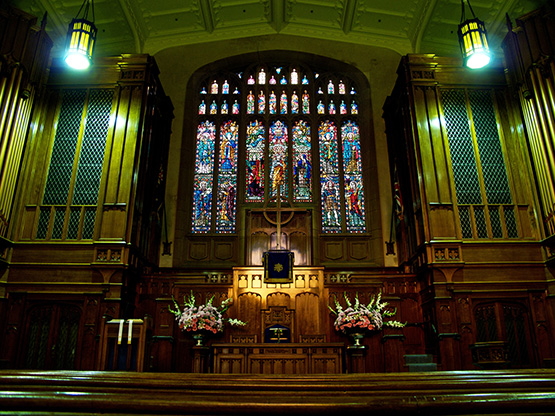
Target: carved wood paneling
307,312
248,310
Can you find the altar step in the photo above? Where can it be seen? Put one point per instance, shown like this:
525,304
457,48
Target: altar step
420,362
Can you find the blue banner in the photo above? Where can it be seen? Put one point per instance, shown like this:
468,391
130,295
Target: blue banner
278,266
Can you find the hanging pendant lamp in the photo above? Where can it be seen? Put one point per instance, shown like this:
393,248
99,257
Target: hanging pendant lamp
473,40
81,38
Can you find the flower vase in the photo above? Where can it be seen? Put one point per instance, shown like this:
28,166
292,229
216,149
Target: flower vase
357,337
199,338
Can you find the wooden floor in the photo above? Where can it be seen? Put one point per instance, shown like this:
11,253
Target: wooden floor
434,393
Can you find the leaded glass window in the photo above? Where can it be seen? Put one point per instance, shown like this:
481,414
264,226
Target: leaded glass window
286,126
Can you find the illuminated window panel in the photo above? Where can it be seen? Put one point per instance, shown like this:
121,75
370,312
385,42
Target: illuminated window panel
227,178
302,163
202,188
255,145
278,157
329,178
352,168
276,104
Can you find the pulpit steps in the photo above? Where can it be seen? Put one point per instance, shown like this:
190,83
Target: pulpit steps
420,362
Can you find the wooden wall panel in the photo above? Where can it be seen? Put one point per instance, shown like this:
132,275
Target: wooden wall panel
307,314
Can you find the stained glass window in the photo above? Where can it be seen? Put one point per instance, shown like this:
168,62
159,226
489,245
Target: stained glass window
227,178
202,193
255,144
273,103
274,124
278,157
261,103
302,162
352,168
329,177
294,103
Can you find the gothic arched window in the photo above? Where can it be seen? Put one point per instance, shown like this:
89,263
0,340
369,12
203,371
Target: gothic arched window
278,128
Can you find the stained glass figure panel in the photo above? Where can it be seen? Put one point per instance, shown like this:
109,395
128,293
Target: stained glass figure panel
278,139
202,187
227,178
302,162
274,113
255,144
352,168
329,178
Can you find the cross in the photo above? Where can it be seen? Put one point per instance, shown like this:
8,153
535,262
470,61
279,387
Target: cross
278,210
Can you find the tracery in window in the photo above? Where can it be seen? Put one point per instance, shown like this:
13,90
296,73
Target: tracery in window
273,118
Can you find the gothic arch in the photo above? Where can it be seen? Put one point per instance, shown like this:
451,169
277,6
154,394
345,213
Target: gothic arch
320,70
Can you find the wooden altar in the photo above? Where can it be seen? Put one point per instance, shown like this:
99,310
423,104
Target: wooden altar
284,358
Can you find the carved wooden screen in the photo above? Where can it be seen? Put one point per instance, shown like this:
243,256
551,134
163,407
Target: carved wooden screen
485,205
51,337
508,322
69,203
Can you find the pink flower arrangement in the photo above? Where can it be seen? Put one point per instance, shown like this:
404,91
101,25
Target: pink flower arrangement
203,317
359,317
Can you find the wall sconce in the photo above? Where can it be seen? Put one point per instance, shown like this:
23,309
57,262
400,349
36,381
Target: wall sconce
473,40
81,38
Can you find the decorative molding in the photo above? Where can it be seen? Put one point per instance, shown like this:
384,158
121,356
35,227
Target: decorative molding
440,205
453,335
219,278
132,75
119,206
108,255
446,254
337,278
423,75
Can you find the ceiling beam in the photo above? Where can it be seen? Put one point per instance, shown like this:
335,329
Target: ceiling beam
349,12
278,15
207,15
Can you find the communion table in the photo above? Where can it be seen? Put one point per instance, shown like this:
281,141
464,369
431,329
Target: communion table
278,358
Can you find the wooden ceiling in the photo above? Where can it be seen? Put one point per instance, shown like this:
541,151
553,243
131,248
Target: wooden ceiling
405,26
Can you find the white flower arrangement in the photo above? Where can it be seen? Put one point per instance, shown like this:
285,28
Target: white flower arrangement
357,316
205,317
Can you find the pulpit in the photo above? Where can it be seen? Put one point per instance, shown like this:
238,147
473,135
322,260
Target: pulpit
124,344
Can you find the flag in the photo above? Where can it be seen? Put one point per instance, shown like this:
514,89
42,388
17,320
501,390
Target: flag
397,198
